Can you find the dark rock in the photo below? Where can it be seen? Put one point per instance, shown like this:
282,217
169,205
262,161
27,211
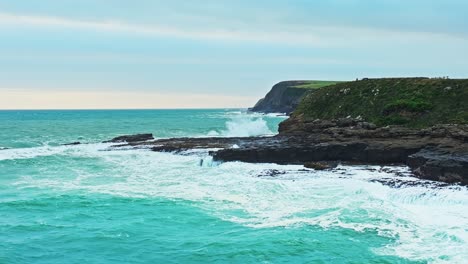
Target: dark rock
401,183
182,144
366,125
435,164
395,153
131,138
346,122
271,173
72,144
297,150
320,165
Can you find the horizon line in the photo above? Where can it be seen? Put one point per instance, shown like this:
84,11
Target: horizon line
107,109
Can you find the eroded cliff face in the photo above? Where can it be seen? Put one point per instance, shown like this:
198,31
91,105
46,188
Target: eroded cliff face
282,98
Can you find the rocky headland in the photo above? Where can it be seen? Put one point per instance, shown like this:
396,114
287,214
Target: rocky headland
420,122
285,96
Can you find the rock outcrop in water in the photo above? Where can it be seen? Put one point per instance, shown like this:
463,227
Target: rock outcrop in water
72,144
440,165
131,138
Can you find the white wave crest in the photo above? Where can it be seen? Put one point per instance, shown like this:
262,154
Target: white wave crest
247,127
244,126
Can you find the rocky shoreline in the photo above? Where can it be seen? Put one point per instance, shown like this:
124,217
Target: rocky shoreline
418,122
438,153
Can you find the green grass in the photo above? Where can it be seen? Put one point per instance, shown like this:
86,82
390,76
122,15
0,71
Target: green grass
412,102
315,84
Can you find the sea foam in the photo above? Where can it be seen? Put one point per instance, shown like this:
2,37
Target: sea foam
427,223
243,124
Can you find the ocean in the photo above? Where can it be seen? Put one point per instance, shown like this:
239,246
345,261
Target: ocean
91,204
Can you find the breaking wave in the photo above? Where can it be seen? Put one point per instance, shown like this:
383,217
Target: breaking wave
246,125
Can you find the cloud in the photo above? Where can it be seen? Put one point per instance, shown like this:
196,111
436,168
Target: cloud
54,99
150,60
274,33
158,30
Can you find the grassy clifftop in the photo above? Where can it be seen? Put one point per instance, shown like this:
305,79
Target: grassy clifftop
299,88
414,102
314,84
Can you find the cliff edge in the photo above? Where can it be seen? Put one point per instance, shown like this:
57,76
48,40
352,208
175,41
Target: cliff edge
285,96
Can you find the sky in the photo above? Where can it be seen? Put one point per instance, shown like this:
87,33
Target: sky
69,54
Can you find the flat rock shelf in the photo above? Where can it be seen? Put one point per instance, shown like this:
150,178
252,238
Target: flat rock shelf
437,153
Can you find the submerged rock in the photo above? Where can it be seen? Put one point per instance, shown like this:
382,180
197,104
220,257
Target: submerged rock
321,165
72,143
131,138
271,173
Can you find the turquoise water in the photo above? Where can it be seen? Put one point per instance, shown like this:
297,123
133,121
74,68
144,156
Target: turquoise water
90,204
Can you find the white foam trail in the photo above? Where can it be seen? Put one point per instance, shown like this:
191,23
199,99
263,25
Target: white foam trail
28,153
428,224
283,115
34,152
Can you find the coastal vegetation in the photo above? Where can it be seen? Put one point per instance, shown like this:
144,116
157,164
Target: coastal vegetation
412,102
314,84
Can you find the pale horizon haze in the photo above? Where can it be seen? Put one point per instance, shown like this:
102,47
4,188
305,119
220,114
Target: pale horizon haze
103,54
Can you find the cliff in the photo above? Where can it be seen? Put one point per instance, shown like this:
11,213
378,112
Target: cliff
285,96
